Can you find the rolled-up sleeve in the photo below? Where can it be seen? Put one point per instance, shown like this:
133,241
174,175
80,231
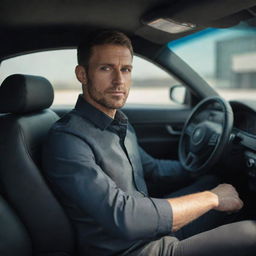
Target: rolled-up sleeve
71,167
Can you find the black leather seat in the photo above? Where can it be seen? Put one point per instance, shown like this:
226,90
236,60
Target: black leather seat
25,101
14,239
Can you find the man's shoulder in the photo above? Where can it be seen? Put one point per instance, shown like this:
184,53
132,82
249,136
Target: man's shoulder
63,122
71,123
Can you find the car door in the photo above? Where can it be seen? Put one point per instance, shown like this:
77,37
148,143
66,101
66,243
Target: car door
158,129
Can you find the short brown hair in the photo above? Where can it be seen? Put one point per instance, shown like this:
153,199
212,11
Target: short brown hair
84,50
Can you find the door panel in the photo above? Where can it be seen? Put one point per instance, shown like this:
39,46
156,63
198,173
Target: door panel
158,129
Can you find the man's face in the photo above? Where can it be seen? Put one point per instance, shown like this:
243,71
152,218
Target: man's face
108,77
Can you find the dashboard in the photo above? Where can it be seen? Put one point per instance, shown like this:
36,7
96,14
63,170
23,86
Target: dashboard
244,136
245,123
244,117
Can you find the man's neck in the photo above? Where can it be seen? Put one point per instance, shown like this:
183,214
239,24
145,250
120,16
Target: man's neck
109,112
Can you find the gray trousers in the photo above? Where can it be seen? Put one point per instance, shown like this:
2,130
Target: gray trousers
209,235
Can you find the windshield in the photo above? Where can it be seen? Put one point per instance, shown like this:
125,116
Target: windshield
225,58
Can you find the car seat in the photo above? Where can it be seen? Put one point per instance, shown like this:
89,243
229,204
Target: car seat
25,101
14,239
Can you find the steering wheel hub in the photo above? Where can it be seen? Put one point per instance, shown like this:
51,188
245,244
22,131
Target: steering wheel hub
198,135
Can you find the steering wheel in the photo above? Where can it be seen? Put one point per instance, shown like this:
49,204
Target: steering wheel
205,135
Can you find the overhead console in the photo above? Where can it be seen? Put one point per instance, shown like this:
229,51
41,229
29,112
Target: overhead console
167,21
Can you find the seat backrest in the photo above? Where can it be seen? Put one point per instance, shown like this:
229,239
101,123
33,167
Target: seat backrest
25,101
14,238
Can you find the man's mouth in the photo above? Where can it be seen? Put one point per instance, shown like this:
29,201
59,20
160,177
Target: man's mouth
116,93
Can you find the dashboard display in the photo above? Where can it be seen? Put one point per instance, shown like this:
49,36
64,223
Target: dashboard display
245,121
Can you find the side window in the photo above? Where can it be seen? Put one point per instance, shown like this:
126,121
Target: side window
151,84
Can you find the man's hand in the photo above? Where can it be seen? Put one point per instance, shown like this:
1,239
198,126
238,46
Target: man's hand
228,198
187,208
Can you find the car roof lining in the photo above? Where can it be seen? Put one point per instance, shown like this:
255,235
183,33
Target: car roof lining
33,25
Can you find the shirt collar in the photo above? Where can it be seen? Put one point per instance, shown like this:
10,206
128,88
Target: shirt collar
96,116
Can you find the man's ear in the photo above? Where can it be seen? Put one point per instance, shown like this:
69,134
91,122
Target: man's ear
81,74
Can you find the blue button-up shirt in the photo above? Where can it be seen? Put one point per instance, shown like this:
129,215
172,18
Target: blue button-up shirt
98,171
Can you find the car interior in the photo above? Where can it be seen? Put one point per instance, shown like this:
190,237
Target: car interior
32,221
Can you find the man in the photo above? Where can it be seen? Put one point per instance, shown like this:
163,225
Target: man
99,172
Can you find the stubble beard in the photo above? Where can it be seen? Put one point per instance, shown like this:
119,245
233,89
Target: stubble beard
102,99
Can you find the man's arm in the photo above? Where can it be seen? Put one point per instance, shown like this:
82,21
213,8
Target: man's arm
160,171
78,179
188,208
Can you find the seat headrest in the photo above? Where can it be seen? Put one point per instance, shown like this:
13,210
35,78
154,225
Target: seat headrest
24,93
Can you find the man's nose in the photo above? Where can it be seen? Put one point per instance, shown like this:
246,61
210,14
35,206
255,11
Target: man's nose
118,77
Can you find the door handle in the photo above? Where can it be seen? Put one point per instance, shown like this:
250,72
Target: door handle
172,131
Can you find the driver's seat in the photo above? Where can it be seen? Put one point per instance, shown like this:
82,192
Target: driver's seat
25,100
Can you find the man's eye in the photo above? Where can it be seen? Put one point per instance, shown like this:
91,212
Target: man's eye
126,70
105,68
